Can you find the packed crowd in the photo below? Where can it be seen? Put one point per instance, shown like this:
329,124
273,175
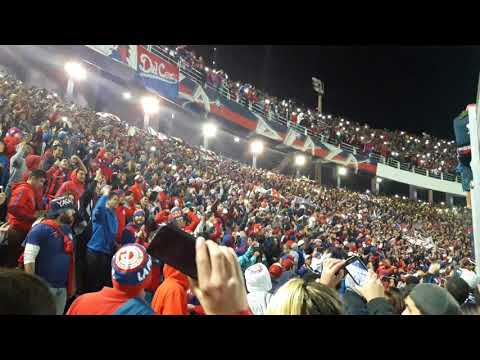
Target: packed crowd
84,192
426,151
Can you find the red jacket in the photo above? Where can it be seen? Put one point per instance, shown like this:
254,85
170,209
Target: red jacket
11,143
194,221
22,206
137,191
171,296
162,217
74,186
55,179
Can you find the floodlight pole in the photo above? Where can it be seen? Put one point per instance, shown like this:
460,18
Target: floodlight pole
473,121
70,87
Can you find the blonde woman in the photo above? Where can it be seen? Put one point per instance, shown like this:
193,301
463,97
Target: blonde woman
300,297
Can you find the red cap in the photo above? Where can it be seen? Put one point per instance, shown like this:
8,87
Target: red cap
275,270
287,263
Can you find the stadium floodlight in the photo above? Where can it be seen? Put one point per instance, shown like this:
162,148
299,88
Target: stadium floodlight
75,72
127,95
206,69
256,147
300,160
150,106
267,101
342,171
209,130
236,139
320,90
153,149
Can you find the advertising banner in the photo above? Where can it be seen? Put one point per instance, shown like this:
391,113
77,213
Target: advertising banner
157,74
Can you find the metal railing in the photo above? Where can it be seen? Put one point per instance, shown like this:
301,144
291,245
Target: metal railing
199,78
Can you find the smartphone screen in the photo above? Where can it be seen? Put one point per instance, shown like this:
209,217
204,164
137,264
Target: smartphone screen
174,247
357,272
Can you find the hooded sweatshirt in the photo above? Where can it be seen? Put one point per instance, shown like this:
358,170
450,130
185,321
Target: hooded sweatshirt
171,296
74,186
259,284
22,206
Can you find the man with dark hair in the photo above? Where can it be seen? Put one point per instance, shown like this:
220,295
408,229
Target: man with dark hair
57,154
102,245
24,294
49,251
21,213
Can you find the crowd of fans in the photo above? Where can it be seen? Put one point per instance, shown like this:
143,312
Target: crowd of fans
426,151
84,192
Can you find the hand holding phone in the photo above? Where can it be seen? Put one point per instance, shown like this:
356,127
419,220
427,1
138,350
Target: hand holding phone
372,287
332,272
356,270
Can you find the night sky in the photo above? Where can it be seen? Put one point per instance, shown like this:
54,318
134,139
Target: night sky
410,88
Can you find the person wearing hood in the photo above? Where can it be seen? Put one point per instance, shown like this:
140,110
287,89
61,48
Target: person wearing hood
49,251
257,279
130,273
171,296
21,214
76,185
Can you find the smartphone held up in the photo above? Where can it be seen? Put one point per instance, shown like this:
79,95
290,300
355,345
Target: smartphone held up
174,247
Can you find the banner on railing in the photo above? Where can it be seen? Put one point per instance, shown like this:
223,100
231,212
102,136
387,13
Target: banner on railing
295,140
264,129
205,100
126,54
339,156
157,74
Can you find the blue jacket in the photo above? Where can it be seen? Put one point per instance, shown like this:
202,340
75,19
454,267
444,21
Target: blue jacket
105,226
5,164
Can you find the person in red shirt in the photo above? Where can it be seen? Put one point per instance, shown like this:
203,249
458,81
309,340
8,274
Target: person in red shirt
76,185
171,296
13,138
162,216
22,211
131,271
194,220
137,189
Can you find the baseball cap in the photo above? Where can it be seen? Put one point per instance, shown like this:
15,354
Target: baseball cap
60,205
